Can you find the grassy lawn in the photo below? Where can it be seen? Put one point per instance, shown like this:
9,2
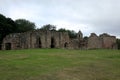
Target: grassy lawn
59,64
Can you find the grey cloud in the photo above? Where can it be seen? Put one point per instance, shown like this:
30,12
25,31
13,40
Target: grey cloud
97,15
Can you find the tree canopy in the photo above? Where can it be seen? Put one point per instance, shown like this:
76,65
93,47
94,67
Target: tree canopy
48,27
71,33
24,25
7,26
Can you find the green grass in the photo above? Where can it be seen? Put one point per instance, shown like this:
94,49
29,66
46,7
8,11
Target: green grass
59,64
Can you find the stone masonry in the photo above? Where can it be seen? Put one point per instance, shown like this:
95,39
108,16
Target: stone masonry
54,39
104,41
35,39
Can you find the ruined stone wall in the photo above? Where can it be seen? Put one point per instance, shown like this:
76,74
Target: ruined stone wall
108,42
24,40
41,39
74,44
104,41
54,39
94,42
36,39
64,39
13,41
60,38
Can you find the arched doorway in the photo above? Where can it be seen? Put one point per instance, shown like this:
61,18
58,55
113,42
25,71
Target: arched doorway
52,43
39,43
65,45
8,46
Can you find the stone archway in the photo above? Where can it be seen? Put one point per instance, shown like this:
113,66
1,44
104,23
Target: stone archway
65,45
39,43
52,43
8,46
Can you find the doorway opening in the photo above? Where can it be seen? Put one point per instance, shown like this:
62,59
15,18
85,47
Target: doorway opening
66,45
8,46
52,42
39,43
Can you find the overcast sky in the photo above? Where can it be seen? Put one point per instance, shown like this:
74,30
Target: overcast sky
98,16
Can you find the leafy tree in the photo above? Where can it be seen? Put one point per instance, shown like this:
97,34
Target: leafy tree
24,25
71,33
62,30
85,38
48,27
7,25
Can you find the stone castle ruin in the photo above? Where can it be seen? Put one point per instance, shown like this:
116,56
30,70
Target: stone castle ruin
55,39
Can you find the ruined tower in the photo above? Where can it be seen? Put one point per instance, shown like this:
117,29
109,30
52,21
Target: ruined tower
79,35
